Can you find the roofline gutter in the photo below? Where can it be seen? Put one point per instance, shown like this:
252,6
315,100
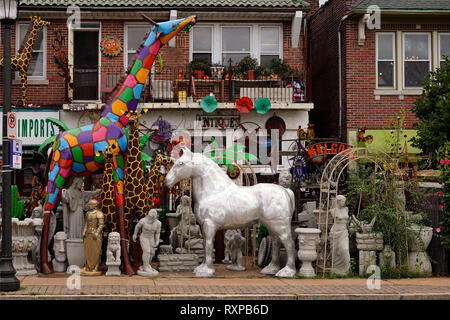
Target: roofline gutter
401,11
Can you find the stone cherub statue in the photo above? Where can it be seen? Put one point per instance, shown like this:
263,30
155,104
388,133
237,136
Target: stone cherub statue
338,236
149,229
92,238
59,247
235,243
113,254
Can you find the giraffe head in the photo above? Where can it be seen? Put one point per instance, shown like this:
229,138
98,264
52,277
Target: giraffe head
169,29
38,22
133,117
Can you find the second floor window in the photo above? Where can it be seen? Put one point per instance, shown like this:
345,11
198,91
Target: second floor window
134,38
269,44
444,48
416,58
385,60
202,42
37,68
235,43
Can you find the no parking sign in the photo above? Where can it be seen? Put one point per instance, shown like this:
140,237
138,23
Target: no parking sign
16,154
12,125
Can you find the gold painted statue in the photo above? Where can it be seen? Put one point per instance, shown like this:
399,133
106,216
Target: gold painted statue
92,237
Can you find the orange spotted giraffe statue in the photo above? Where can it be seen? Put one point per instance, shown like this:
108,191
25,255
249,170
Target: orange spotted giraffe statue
153,180
107,194
21,61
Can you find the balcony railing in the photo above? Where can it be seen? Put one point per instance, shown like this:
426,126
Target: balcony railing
171,85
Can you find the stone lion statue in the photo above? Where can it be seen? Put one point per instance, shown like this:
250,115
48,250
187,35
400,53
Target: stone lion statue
113,248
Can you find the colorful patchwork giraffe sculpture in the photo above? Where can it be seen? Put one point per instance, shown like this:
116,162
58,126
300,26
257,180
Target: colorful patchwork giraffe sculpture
21,61
73,152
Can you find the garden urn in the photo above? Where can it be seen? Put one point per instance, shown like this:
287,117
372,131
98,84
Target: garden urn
419,237
24,240
308,239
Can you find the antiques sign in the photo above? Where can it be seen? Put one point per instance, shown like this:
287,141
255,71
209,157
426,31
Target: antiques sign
219,121
325,148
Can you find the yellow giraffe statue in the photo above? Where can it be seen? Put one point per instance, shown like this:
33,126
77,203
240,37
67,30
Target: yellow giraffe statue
21,61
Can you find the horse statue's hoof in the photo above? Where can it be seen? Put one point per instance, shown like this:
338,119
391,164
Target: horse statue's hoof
286,272
203,271
270,270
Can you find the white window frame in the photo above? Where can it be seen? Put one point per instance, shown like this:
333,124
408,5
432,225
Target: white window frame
191,43
280,42
255,46
394,58
125,37
439,47
44,51
430,55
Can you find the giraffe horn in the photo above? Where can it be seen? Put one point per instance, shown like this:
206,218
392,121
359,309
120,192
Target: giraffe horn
149,20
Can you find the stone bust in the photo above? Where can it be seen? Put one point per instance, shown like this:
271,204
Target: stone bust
59,246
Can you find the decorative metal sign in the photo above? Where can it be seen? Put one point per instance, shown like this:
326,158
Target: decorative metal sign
326,148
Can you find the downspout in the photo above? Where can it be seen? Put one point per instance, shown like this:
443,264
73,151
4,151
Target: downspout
340,75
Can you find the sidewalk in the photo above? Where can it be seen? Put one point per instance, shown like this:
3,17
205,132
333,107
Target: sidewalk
248,285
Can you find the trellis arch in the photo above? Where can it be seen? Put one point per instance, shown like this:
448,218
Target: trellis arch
329,185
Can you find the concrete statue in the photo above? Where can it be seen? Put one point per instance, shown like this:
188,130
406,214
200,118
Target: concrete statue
338,236
221,204
59,247
113,254
149,229
92,237
235,243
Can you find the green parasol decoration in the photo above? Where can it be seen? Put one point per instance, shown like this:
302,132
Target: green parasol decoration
262,105
208,104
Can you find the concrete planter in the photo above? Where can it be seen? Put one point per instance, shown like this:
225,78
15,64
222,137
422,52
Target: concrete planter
418,240
308,239
75,252
23,241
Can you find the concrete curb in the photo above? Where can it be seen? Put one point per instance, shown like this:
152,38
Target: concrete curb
409,296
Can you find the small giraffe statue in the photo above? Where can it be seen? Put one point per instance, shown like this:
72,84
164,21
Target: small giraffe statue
21,61
153,180
137,203
108,192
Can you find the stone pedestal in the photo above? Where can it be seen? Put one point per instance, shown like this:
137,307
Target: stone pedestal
75,252
419,238
308,239
368,244
23,241
113,269
177,262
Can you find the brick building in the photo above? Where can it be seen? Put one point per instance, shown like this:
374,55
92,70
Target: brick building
262,29
368,66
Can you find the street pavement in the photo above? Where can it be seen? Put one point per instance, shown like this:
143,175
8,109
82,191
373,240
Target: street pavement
247,285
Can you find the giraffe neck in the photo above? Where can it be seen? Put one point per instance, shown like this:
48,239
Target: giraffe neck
127,96
29,40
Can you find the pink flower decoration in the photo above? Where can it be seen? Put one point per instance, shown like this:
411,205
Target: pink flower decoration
440,193
438,230
442,206
442,161
443,183
447,161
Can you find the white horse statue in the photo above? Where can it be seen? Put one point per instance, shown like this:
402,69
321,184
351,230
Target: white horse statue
221,204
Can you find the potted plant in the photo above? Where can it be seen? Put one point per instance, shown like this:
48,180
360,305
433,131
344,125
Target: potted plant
281,68
247,66
199,67
263,72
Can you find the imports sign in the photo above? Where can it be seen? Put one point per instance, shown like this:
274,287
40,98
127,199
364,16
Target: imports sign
30,126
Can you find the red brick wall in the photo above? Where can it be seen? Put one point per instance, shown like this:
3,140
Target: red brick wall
362,110
53,93
174,59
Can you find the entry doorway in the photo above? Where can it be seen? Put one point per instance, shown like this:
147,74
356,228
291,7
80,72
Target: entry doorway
85,65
